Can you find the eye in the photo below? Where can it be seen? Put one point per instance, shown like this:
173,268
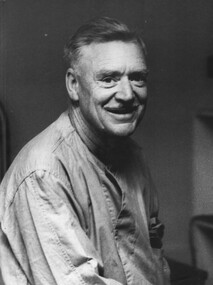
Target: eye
138,79
108,81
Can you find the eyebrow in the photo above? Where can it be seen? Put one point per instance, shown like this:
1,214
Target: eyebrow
105,72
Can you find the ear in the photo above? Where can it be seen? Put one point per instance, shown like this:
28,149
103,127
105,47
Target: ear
72,84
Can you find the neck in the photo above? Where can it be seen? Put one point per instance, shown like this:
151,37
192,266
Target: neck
100,145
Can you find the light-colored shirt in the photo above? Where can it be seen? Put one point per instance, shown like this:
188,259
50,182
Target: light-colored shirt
72,214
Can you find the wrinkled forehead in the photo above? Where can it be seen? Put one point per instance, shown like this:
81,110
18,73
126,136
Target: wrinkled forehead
112,52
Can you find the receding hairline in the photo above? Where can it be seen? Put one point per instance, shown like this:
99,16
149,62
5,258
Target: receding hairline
101,30
83,51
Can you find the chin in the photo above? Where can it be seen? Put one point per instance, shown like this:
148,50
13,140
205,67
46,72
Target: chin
122,132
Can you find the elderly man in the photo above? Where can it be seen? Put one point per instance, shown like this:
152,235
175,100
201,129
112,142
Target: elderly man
78,206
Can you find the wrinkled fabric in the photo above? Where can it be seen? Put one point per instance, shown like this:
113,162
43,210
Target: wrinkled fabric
69,217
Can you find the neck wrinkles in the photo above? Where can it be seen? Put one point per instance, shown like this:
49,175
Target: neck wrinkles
111,154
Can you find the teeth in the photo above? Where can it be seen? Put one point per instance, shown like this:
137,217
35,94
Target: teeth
121,111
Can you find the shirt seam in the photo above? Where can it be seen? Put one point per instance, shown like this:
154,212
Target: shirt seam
11,199
56,239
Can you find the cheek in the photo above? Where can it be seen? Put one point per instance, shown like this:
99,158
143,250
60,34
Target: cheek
142,94
84,94
92,97
89,102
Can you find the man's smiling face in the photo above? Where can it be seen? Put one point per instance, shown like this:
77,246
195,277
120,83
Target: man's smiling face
111,87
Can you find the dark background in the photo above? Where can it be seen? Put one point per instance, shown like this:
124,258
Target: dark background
179,38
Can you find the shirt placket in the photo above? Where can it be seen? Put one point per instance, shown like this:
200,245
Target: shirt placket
125,233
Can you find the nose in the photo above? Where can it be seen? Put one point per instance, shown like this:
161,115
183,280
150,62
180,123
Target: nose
124,92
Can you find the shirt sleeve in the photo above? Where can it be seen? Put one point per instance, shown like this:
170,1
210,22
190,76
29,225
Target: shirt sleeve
43,238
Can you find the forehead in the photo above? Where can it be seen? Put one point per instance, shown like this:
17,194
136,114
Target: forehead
112,55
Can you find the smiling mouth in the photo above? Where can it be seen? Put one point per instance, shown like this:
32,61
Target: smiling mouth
122,110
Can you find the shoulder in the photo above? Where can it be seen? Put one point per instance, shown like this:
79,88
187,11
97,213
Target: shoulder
43,152
40,151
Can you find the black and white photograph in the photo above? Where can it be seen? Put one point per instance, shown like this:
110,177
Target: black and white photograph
106,142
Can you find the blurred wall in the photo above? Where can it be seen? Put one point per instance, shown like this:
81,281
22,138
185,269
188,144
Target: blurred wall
33,36
179,38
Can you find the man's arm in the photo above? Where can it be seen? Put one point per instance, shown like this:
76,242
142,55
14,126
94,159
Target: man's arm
42,241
